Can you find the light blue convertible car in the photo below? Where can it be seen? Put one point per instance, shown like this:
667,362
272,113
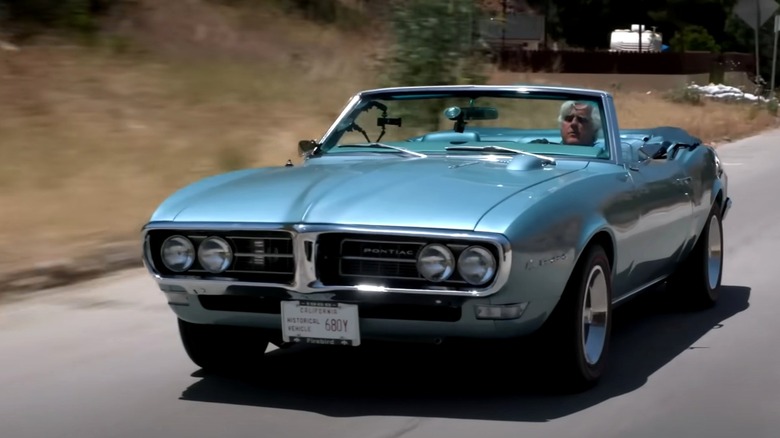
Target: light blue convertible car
445,213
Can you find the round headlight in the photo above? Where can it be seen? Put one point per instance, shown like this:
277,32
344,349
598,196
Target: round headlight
476,265
436,262
215,255
178,254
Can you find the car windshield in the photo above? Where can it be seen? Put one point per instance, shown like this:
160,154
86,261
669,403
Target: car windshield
471,121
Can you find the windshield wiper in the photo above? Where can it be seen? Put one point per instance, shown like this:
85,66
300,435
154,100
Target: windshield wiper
493,148
383,146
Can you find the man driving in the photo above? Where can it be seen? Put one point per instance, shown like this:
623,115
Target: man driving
579,123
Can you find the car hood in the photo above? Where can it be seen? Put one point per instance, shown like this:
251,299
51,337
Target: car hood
427,192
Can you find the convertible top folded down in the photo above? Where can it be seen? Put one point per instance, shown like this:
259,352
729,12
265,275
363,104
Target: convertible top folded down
672,134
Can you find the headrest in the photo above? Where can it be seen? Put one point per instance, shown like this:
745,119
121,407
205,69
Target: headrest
452,137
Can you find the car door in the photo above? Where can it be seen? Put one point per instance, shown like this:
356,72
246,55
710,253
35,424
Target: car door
665,207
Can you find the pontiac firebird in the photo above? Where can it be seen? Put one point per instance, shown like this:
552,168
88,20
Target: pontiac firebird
444,213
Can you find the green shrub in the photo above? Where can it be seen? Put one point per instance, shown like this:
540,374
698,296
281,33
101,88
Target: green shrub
436,43
693,38
772,106
79,15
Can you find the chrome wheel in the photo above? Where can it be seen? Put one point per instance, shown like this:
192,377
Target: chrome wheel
595,309
575,339
714,252
696,281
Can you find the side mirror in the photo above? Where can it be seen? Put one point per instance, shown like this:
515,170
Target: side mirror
305,147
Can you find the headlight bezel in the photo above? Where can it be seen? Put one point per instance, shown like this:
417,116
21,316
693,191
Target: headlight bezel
226,262
448,257
188,244
486,254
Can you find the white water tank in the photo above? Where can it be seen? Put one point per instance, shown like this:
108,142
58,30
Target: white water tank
628,40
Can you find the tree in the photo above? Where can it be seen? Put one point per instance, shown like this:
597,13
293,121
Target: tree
580,23
77,15
435,43
588,23
693,38
702,17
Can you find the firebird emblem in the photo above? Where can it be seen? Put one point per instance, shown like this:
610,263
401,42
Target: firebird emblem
533,264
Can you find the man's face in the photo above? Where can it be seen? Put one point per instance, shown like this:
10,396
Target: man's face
577,127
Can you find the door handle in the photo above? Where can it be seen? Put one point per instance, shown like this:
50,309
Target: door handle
685,180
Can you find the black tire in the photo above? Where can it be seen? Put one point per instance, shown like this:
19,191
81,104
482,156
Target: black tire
692,282
223,349
565,358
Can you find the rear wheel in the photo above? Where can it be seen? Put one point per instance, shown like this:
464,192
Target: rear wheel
223,349
575,340
697,280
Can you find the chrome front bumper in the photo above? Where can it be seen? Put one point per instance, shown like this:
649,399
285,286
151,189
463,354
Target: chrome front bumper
399,317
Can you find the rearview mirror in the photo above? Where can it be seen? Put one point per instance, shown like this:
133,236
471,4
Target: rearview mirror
306,146
471,113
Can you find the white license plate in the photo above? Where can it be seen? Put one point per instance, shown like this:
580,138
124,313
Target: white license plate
320,323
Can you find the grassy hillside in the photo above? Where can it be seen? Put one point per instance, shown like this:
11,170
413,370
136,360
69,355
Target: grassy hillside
93,136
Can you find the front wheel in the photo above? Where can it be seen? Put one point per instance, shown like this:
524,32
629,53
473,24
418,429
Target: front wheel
575,340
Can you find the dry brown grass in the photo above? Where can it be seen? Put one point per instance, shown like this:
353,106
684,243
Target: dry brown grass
713,122
640,105
92,141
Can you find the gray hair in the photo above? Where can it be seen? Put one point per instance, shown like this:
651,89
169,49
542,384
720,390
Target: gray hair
595,115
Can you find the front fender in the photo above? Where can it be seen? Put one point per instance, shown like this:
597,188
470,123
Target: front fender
549,228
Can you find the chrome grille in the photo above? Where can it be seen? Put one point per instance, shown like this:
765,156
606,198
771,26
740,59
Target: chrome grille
262,254
377,258
259,256
390,261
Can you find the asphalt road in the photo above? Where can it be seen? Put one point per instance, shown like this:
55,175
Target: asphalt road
103,359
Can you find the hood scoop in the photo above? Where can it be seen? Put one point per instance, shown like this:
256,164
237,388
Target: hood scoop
527,162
